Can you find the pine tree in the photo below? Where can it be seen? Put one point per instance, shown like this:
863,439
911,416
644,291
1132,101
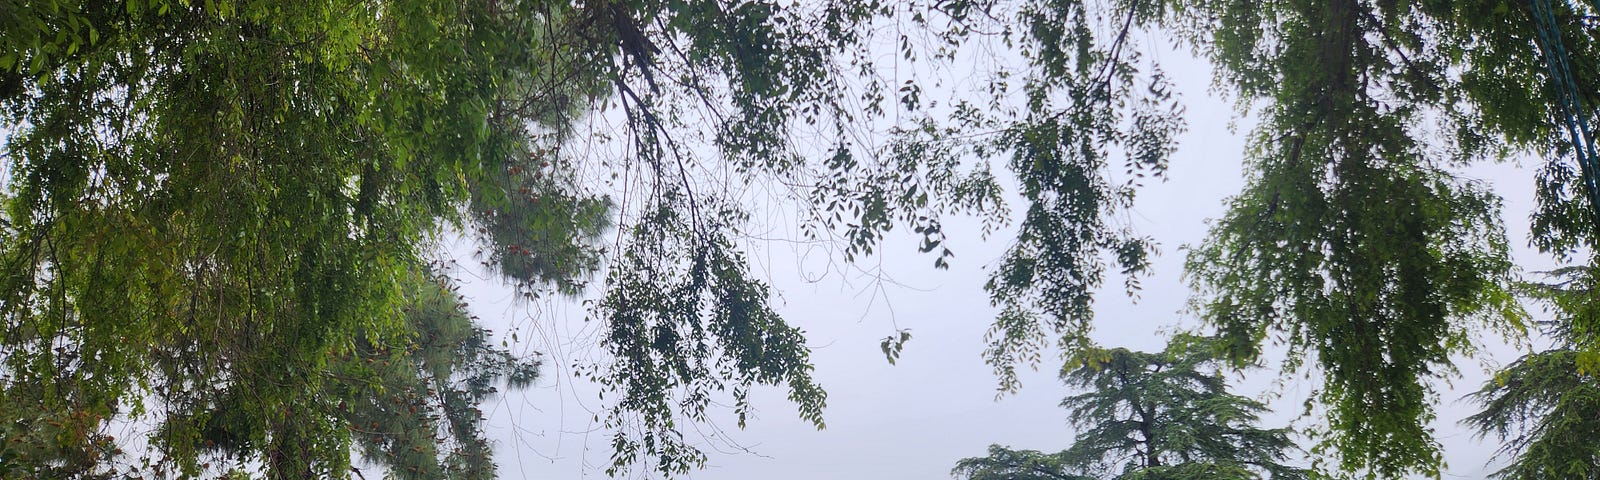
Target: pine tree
1542,406
1165,415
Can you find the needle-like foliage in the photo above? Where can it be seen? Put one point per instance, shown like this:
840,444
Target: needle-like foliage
1163,415
1543,406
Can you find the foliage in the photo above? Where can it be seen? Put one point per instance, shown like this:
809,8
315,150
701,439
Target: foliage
420,415
1087,103
204,194
208,195
1354,242
1542,405
1007,464
1165,415
1082,105
217,219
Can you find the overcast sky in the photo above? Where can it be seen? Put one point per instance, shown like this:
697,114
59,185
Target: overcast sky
914,420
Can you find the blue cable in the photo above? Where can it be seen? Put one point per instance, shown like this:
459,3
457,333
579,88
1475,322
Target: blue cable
1574,116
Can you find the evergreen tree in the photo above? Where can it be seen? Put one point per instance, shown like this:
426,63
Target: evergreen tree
1165,415
1543,405
1007,464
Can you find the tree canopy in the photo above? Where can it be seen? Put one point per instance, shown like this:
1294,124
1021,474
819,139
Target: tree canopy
217,216
1164,415
1007,464
1542,405
207,195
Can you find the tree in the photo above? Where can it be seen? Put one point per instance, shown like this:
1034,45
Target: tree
409,403
1007,464
209,195
1163,415
261,183
1542,405
1354,241
228,208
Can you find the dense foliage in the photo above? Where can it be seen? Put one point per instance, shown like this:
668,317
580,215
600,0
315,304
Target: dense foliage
1354,240
217,220
1542,405
204,195
1164,415
201,195
1007,464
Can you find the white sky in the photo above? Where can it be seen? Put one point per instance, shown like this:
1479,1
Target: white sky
914,420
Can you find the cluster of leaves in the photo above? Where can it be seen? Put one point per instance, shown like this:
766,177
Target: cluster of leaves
205,194
1007,464
411,407
415,407
1165,415
1542,405
217,219
710,92
1354,242
685,321
1087,103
